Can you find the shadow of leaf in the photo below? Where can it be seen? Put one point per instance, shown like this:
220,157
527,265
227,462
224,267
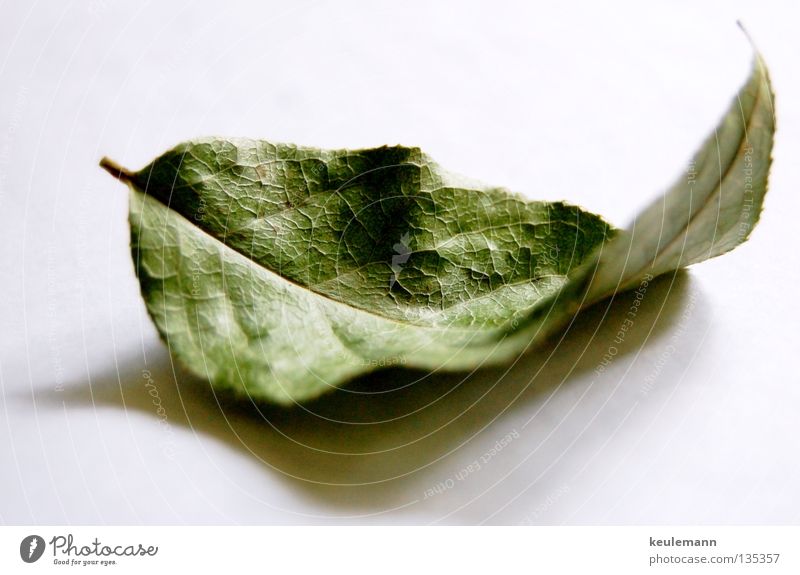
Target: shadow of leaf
382,440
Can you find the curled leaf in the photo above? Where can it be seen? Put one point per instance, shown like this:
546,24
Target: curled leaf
281,272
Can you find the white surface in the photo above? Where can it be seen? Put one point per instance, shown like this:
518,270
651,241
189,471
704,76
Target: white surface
601,106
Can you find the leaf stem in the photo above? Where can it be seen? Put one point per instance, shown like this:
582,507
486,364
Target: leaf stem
113,168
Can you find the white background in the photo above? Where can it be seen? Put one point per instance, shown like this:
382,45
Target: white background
601,105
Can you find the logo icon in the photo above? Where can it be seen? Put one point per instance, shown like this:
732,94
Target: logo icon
31,548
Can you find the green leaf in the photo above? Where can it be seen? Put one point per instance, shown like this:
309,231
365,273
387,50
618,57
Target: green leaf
281,272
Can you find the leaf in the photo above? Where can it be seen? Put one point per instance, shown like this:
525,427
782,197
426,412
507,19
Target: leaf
281,272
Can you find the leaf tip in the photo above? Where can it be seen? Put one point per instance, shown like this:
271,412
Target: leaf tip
759,60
